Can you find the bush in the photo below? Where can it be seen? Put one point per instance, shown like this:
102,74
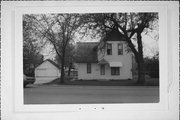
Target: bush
154,74
152,67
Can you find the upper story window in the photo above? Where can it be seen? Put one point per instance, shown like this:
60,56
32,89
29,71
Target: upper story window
109,49
88,67
120,49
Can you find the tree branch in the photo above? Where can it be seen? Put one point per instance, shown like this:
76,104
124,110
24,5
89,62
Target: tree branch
50,39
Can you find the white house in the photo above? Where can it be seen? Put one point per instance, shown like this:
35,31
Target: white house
46,72
110,60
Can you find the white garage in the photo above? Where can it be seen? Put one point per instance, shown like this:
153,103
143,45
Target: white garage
46,72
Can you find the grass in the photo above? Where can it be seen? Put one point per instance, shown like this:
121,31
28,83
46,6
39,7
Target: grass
70,81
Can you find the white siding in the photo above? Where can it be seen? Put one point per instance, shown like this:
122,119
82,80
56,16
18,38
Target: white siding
46,72
115,57
125,73
125,59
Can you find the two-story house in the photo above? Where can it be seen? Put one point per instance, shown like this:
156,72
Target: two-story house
110,60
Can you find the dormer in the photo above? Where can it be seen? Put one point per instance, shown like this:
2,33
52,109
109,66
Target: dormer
113,48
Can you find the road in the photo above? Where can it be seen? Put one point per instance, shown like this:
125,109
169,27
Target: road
90,94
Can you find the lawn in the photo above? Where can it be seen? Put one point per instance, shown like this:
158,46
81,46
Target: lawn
70,81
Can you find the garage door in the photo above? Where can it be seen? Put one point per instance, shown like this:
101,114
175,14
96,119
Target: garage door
46,72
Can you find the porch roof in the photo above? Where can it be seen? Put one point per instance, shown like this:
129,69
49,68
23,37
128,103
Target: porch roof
115,64
103,61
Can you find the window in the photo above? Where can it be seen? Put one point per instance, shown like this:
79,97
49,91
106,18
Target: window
115,71
102,69
109,49
88,67
120,49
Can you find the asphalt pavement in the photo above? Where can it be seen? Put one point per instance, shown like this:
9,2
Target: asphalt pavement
69,94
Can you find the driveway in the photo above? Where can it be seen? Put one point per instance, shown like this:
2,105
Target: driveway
69,94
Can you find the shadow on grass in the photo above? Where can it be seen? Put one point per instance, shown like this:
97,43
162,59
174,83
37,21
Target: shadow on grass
30,86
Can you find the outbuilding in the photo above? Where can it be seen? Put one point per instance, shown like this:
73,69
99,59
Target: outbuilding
47,72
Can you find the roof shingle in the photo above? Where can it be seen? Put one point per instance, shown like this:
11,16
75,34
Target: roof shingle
114,35
86,52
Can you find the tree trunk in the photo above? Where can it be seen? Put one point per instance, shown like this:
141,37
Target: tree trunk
69,71
62,67
141,70
62,73
141,74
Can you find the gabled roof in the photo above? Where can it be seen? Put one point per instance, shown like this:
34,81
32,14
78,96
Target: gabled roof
114,35
52,62
103,61
86,52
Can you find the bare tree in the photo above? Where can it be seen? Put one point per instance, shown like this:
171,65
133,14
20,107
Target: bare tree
58,30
